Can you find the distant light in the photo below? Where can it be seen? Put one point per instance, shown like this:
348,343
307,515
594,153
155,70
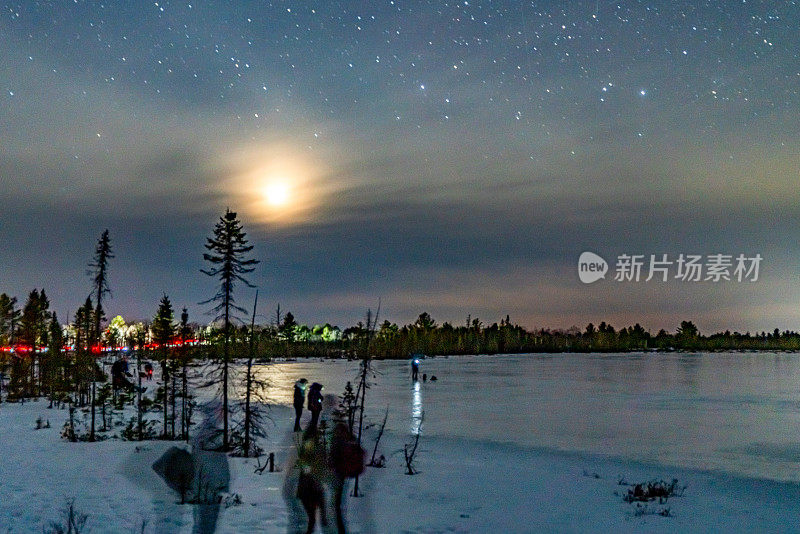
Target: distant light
643,92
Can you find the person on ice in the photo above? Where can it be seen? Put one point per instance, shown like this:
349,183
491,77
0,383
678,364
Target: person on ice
415,369
314,405
299,400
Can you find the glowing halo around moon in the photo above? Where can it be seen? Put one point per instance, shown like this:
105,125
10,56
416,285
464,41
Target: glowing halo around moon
274,185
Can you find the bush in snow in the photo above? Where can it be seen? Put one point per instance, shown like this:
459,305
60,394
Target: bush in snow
653,490
40,423
73,522
131,430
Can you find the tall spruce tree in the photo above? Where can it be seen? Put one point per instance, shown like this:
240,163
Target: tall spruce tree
163,329
138,338
98,269
26,371
9,316
227,250
255,388
19,384
43,339
56,368
184,331
363,377
84,362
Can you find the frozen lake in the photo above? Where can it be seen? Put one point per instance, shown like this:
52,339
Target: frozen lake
738,413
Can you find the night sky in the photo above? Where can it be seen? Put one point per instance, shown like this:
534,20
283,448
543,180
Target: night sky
449,157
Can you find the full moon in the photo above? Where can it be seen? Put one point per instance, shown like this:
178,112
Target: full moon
273,183
276,193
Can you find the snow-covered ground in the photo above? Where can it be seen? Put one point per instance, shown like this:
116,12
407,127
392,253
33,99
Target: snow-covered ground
462,486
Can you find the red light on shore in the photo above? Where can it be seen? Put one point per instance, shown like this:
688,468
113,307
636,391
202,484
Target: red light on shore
95,349
17,348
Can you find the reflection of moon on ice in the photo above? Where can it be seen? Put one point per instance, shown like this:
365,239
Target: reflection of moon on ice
416,408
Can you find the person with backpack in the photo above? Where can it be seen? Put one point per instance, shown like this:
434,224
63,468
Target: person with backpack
346,460
299,400
314,405
120,374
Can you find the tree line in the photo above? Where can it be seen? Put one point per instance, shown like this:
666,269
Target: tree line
473,337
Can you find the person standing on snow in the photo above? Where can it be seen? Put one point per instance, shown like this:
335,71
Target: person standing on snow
415,369
299,400
314,405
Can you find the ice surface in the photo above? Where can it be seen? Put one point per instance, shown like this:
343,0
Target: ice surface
737,413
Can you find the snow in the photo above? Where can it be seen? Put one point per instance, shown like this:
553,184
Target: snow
463,485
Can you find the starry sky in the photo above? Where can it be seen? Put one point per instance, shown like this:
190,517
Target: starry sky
449,157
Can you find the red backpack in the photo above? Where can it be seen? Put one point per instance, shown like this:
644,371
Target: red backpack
348,459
